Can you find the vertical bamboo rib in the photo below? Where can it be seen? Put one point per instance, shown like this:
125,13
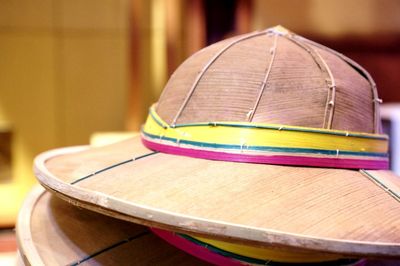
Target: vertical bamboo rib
376,100
209,63
264,82
330,101
305,47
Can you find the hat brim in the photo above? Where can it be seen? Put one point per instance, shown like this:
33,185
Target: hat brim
331,210
52,232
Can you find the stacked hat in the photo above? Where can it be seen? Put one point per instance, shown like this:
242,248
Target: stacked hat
262,147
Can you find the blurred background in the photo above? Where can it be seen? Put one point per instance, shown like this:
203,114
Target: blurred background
69,68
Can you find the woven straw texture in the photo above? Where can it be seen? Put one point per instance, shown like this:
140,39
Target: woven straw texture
269,78
272,77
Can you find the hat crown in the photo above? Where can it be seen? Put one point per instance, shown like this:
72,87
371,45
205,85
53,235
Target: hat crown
274,77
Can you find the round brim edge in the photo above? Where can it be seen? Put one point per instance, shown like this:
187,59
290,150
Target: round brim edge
203,227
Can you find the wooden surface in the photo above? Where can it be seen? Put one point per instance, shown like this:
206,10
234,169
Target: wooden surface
52,232
337,211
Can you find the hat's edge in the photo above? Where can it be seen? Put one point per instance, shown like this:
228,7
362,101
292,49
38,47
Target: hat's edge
29,253
137,213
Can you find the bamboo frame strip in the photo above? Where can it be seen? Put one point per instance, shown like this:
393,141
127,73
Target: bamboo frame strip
264,82
204,69
376,100
330,102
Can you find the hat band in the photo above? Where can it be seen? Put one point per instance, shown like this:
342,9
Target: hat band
267,143
226,253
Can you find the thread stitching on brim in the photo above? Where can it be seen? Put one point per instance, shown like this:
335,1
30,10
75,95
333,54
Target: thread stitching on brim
381,184
106,249
111,167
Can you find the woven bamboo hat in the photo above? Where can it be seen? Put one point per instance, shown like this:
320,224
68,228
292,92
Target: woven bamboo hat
267,139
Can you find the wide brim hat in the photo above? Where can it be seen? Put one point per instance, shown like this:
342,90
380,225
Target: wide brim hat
51,231
265,139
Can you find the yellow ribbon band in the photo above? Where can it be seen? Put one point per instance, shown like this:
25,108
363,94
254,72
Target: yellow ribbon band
270,135
267,254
